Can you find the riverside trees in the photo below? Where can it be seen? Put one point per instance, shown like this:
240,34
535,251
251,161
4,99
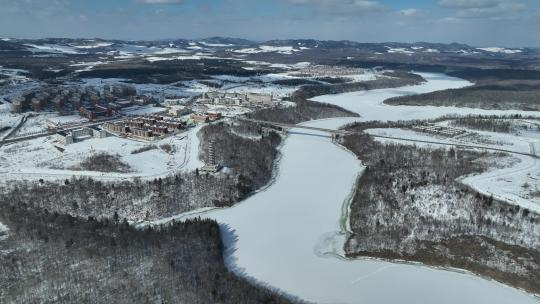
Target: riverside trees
409,205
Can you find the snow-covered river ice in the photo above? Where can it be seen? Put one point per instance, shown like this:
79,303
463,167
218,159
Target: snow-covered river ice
289,235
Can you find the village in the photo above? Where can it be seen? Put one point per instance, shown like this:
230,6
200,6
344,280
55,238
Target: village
152,136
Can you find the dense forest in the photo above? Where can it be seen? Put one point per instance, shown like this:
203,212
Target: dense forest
170,71
410,205
48,257
493,89
484,124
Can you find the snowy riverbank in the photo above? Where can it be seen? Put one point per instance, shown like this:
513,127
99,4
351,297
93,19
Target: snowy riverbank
287,237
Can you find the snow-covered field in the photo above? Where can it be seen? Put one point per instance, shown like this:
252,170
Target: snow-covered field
143,110
500,50
35,124
39,159
3,231
7,119
290,236
518,184
53,48
287,50
264,84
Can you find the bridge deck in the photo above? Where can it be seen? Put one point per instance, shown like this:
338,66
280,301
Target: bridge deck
344,133
291,126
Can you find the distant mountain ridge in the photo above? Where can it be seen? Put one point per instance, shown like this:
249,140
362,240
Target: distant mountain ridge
96,45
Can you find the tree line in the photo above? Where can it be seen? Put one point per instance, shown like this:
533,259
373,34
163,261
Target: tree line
49,257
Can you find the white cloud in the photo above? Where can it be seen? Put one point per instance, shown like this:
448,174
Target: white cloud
344,7
161,1
501,11
486,9
410,12
469,3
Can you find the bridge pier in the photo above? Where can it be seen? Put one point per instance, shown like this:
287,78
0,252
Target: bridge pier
266,131
337,138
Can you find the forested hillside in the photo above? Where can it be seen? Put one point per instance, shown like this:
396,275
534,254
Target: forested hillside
493,89
47,257
409,205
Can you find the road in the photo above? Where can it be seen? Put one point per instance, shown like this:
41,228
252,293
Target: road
21,122
54,131
532,154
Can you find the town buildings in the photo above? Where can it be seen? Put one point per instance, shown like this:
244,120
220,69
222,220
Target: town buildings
237,99
206,117
90,102
146,127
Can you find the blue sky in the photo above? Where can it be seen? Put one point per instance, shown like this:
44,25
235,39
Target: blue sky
477,22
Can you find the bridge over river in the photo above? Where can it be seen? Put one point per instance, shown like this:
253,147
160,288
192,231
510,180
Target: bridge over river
338,135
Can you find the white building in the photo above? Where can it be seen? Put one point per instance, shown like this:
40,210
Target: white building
78,135
237,99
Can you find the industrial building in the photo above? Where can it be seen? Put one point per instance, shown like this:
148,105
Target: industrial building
78,135
96,112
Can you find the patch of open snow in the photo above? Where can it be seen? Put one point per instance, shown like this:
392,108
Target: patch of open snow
279,49
66,119
197,56
163,51
144,110
35,124
216,44
249,51
38,158
93,46
398,50
500,50
8,119
286,50
3,231
88,66
518,184
53,48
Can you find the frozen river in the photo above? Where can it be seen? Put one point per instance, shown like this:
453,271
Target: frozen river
289,237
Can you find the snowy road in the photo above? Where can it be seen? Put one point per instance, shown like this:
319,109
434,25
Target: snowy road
289,236
517,183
